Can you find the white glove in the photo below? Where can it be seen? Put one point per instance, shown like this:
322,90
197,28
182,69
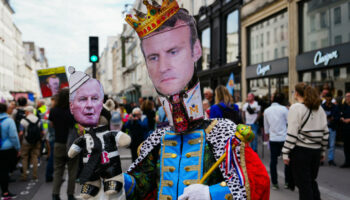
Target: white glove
196,192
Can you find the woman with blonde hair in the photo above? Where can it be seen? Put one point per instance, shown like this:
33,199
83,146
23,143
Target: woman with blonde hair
307,139
224,107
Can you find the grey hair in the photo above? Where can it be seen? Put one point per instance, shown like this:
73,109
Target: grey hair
137,109
72,95
208,89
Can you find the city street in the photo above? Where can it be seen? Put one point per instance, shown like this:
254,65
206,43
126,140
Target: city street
333,181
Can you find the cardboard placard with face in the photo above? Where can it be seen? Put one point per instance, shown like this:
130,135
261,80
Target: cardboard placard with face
86,99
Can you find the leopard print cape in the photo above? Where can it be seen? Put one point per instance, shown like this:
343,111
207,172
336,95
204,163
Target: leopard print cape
218,136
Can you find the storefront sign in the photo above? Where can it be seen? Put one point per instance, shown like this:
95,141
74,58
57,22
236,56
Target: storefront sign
261,70
270,68
326,57
319,58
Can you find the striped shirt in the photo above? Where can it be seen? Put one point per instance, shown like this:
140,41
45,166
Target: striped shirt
313,135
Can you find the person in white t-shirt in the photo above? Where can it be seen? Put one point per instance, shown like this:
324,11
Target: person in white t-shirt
251,113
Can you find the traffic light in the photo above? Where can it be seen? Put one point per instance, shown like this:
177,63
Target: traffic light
93,44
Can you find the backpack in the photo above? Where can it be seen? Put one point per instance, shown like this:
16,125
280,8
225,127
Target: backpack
33,131
1,131
230,113
19,116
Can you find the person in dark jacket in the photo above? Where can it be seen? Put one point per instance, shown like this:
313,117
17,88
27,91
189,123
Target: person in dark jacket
332,113
137,128
345,119
9,146
62,121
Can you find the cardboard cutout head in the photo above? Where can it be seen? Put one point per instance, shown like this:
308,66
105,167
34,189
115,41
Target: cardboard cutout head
85,98
171,52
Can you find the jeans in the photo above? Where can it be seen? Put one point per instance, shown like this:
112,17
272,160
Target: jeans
332,135
49,166
254,143
276,148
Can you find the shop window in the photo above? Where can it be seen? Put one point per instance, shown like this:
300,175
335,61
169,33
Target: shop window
205,48
232,36
337,15
337,39
318,17
263,38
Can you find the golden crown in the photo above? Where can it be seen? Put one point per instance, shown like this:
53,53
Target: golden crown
155,17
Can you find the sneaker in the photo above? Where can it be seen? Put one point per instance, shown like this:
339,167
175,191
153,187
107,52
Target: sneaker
275,187
8,195
331,163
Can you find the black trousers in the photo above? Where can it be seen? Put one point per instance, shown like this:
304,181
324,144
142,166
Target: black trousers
305,163
346,139
6,156
276,149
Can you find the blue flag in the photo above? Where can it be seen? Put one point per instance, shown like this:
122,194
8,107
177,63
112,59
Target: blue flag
230,84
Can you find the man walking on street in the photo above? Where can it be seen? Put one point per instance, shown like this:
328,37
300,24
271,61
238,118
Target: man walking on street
32,132
275,124
345,119
332,113
251,113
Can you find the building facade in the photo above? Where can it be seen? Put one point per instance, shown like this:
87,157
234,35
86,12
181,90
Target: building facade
18,60
285,42
219,32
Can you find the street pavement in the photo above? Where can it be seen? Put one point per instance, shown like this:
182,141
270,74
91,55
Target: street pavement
334,182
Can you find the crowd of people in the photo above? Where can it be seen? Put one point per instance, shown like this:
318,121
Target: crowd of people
301,132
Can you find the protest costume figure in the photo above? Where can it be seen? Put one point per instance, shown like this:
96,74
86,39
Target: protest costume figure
173,159
98,144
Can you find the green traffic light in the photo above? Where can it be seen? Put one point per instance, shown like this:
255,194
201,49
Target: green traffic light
93,58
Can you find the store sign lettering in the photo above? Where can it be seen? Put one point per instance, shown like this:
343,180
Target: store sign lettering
319,58
261,70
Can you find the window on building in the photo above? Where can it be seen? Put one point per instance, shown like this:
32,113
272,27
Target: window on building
232,36
272,36
349,10
338,39
312,23
325,18
275,35
337,15
276,53
324,42
205,48
313,45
